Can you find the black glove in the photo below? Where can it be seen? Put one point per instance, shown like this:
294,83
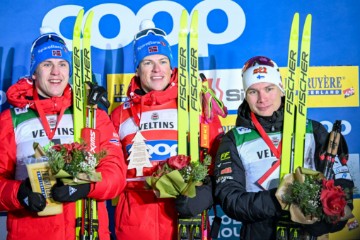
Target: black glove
191,207
32,201
69,193
322,227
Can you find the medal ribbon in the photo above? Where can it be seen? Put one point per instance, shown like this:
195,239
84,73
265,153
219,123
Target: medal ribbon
49,132
276,151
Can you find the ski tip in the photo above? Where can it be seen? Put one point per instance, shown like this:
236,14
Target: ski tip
78,23
184,15
90,14
194,23
296,15
88,21
80,14
307,28
194,16
183,23
308,19
294,31
296,18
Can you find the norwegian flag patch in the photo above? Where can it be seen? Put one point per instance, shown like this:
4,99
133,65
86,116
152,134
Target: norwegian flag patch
56,53
153,49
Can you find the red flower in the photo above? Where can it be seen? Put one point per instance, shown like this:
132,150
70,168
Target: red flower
57,147
68,148
333,199
159,170
178,162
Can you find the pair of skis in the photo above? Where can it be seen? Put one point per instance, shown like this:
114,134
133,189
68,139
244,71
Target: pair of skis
84,118
295,111
189,112
188,87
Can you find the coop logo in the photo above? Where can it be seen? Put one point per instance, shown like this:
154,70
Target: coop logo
345,126
129,22
161,150
230,229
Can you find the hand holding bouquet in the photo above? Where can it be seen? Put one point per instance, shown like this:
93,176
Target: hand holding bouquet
178,175
72,162
310,197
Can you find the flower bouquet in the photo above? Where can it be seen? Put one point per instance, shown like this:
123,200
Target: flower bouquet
178,175
72,163
310,197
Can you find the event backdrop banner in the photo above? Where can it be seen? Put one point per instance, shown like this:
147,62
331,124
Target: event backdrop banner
230,32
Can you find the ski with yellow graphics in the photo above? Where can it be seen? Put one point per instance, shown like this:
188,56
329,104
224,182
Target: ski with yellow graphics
78,106
183,107
295,109
84,117
183,86
77,79
301,108
195,88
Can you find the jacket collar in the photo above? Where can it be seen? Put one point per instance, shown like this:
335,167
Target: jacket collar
137,95
20,95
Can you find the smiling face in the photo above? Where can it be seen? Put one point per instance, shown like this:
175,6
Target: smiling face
154,72
51,77
264,98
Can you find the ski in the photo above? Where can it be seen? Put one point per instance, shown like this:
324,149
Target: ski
295,110
189,112
302,78
78,85
87,69
195,88
183,86
188,87
184,225
84,117
78,107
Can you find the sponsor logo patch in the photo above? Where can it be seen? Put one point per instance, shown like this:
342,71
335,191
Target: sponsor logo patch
225,156
226,171
20,110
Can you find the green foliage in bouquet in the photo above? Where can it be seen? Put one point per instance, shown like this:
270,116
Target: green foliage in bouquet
72,160
306,195
310,197
178,175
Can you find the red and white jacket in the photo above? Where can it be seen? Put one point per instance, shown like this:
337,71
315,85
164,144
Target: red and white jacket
139,213
19,128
